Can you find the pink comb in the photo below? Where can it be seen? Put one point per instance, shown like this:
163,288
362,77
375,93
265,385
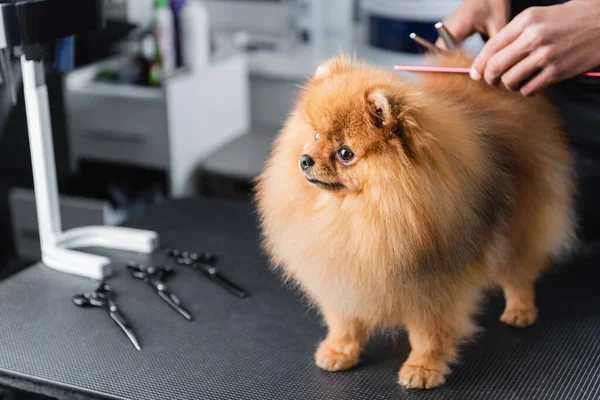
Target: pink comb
454,70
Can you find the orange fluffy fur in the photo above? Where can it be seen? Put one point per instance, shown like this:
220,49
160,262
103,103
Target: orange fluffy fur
453,187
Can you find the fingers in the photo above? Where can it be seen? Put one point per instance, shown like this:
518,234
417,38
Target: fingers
505,59
460,25
546,77
498,42
517,76
440,43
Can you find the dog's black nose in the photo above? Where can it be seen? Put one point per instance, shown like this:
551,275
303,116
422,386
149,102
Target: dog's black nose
306,162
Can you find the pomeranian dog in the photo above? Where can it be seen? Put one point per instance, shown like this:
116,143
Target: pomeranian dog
395,204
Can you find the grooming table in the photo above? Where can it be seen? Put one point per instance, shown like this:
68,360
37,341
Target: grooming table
262,347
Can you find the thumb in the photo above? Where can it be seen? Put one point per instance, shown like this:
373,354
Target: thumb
459,24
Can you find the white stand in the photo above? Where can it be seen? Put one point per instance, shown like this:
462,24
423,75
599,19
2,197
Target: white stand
55,244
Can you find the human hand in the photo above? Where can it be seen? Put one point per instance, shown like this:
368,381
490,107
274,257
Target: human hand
541,46
487,17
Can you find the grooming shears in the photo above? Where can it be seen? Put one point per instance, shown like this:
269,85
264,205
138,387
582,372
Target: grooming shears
155,277
102,297
205,263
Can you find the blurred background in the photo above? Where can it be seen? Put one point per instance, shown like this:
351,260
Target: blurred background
177,98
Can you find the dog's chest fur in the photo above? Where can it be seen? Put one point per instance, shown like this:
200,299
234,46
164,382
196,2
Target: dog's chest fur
354,260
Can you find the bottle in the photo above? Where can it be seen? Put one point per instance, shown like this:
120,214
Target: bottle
151,64
195,35
164,32
176,6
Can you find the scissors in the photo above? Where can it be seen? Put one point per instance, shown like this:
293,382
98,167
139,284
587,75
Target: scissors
102,297
451,44
155,277
205,263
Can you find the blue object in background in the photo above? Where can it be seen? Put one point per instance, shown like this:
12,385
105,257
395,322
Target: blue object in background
393,34
65,53
176,6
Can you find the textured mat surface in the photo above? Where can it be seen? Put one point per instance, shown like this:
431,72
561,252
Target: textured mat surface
262,347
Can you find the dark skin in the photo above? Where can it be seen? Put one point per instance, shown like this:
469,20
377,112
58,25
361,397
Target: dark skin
539,47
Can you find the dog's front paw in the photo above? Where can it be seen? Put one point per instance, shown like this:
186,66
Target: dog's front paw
419,377
519,317
337,355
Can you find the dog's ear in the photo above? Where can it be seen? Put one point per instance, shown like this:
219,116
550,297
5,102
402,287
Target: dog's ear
380,108
396,119
331,67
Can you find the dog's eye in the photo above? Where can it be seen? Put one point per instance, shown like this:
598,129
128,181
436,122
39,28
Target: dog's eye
345,154
316,135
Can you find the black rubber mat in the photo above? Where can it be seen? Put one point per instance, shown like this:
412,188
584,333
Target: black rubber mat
262,347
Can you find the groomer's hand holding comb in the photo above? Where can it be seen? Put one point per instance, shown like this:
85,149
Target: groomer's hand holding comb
487,17
542,46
